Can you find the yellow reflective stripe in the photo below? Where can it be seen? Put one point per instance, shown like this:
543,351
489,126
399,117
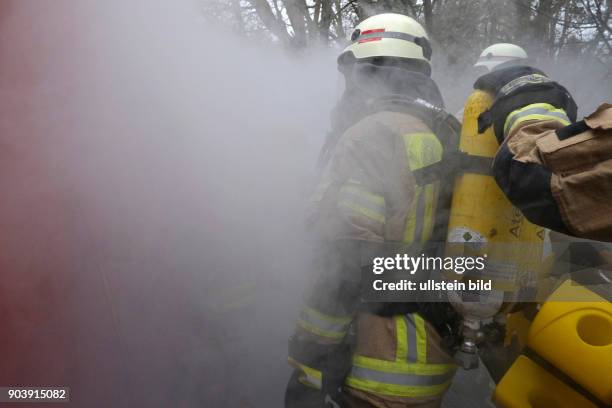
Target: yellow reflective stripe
535,111
363,211
397,390
402,366
422,149
357,198
539,107
428,211
320,332
399,378
310,376
538,116
354,187
401,350
430,197
421,338
329,318
323,325
412,217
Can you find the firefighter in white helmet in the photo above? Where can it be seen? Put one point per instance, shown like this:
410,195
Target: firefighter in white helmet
497,56
501,55
387,129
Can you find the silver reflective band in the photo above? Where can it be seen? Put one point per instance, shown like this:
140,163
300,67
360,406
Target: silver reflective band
412,338
534,111
400,378
422,42
524,80
387,34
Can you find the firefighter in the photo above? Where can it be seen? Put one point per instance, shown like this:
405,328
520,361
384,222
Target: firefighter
497,56
388,126
557,171
500,55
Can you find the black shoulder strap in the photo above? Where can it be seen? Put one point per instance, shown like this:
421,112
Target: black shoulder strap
572,130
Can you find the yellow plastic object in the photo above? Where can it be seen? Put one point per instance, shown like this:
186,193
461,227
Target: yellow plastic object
517,325
576,337
481,213
527,385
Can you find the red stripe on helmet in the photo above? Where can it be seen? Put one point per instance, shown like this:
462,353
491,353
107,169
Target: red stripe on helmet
376,30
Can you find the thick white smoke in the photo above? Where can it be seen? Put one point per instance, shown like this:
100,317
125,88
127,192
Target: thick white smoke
155,169
179,158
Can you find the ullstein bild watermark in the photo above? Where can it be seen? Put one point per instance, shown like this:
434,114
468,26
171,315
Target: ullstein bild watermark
404,273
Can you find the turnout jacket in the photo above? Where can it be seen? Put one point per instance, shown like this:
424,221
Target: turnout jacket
558,173
369,195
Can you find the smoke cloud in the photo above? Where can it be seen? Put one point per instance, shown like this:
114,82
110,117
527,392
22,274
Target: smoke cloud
155,169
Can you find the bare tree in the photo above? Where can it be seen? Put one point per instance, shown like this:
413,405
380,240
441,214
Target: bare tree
460,28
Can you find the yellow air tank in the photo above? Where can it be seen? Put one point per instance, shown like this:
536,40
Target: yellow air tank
481,214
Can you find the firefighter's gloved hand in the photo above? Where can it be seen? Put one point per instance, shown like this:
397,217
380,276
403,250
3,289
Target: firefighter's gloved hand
518,87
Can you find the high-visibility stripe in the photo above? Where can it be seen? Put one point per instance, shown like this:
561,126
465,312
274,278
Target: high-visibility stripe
421,339
329,318
381,33
420,214
409,375
416,338
402,366
353,187
422,149
363,211
309,376
516,83
319,324
361,201
535,111
430,196
411,338
375,204
320,332
399,378
396,390
401,330
409,231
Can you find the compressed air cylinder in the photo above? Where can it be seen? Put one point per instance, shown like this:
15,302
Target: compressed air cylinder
482,215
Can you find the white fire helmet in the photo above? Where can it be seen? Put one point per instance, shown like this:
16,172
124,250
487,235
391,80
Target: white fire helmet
499,53
389,35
